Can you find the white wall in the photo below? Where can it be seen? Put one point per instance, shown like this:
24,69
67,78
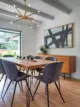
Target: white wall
28,37
61,20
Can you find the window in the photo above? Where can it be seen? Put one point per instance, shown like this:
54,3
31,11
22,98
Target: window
10,42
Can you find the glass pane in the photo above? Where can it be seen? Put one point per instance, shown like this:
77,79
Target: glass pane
9,42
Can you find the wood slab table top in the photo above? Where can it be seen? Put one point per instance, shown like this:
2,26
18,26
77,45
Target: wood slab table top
27,64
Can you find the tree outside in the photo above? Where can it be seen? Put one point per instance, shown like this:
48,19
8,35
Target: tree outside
9,43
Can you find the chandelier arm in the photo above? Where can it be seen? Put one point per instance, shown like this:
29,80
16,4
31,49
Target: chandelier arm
26,8
18,11
32,14
27,23
16,20
30,18
21,21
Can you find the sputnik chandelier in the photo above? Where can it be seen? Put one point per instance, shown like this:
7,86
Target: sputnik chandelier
24,17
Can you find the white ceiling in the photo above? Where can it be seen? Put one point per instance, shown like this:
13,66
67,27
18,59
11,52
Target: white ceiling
11,9
39,5
72,4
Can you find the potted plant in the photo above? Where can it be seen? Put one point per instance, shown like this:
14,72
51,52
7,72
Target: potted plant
43,49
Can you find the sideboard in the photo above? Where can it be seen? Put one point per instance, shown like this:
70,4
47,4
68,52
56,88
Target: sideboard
69,65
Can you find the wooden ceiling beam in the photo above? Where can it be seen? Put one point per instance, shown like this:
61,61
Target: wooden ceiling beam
21,6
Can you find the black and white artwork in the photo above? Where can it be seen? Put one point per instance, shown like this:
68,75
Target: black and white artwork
59,37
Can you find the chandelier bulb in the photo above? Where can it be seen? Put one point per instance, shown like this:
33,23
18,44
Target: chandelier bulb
11,22
19,26
30,27
29,5
14,6
13,11
17,16
37,25
33,21
38,11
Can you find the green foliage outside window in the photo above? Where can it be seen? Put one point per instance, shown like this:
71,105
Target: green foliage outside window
8,43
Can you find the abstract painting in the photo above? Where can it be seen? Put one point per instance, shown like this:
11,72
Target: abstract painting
59,37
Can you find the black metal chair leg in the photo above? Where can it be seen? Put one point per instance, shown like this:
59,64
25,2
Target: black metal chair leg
29,88
27,96
24,70
27,72
47,90
64,76
7,89
20,87
59,83
30,82
59,92
32,76
2,77
36,90
4,85
70,76
36,80
13,94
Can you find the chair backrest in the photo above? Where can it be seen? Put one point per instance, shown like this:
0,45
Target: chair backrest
8,56
51,58
52,72
38,57
2,70
10,69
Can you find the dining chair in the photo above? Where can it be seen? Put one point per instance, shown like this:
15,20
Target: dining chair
21,57
50,75
30,57
33,70
3,73
40,70
14,75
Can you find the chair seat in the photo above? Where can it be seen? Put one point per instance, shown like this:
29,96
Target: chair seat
21,76
41,78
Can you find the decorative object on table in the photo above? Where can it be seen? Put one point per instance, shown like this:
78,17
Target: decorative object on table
19,57
59,37
26,16
30,57
43,49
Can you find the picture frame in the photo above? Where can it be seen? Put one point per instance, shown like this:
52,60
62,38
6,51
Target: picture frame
59,37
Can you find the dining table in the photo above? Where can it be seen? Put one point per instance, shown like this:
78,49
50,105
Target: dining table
30,64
